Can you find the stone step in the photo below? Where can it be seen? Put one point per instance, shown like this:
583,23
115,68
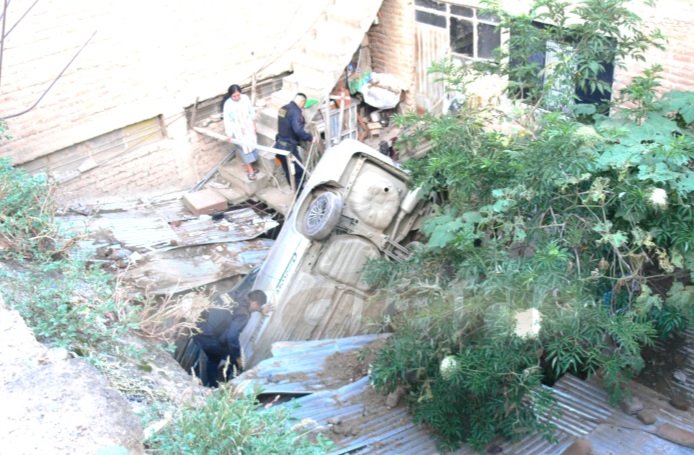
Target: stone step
314,85
234,196
266,133
279,199
234,173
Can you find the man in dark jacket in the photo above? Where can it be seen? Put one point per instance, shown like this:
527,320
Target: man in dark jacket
220,328
291,131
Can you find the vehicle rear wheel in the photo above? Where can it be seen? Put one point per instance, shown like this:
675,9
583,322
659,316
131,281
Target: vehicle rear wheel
321,215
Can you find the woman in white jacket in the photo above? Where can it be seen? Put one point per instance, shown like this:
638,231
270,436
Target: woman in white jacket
239,124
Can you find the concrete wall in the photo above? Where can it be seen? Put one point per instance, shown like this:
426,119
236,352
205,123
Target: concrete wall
147,60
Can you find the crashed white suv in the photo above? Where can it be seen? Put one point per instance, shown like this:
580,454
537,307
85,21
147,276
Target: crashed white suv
355,206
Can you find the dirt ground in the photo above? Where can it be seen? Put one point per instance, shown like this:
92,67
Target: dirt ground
56,404
341,368
53,403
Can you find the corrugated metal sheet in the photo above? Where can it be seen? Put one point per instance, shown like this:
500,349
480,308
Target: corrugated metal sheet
685,351
356,418
297,367
146,229
135,230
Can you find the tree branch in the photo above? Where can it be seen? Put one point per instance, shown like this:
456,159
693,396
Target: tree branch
52,83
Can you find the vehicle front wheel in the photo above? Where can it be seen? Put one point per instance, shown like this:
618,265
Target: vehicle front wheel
321,215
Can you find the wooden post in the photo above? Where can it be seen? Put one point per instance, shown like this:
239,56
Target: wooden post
253,88
194,115
292,172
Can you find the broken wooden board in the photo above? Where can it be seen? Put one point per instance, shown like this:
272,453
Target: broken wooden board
144,230
236,225
180,269
134,230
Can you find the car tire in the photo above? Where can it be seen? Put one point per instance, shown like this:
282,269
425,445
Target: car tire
321,215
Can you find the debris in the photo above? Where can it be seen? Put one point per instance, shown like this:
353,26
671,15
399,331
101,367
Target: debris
334,420
204,202
678,400
675,434
87,165
647,416
176,270
579,447
528,323
631,405
135,258
157,426
679,376
393,398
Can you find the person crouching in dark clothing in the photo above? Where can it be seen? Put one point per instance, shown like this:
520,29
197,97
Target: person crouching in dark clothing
220,328
290,131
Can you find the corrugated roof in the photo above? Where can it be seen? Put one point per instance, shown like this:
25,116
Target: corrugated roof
684,351
145,228
357,419
176,270
297,367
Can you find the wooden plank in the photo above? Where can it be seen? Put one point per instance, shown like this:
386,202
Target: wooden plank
172,271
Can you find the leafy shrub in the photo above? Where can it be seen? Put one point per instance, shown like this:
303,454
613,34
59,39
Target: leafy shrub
68,304
26,214
228,424
590,225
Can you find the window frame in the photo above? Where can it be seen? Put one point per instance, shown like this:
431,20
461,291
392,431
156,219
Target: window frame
474,21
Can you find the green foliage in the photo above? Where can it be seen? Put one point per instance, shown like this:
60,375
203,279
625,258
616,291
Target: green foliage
583,37
72,305
228,424
26,214
589,225
465,378
65,301
641,92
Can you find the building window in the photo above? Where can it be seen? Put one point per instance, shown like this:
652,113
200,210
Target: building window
472,35
543,62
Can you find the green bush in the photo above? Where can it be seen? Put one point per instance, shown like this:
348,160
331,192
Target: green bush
70,304
26,214
65,301
590,225
228,424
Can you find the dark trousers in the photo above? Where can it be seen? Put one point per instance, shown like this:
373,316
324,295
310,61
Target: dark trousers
298,170
215,353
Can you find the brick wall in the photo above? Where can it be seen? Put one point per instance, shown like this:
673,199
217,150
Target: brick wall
393,47
675,19
392,44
